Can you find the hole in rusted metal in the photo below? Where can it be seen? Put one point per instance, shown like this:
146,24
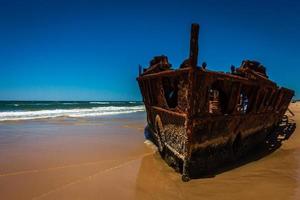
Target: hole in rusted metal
170,87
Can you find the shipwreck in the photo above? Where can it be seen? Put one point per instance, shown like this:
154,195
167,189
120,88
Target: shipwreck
199,118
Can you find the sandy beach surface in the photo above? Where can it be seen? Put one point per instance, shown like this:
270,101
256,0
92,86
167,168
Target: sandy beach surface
108,158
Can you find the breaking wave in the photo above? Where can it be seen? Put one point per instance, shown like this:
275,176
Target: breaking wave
78,112
100,102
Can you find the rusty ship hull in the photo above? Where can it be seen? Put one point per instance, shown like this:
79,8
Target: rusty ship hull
200,118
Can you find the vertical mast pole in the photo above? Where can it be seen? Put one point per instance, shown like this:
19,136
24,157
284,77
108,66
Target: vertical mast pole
194,45
193,60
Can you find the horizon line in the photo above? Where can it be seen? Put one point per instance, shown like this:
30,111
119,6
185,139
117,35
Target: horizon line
76,100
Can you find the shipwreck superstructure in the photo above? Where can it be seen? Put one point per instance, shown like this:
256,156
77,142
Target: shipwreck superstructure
200,118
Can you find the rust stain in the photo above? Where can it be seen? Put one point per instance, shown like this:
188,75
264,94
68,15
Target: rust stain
201,118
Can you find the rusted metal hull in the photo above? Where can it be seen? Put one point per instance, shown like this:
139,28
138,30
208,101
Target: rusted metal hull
200,118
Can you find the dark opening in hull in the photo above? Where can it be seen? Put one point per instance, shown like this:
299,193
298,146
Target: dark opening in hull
200,118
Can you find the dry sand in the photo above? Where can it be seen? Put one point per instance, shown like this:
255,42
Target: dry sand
107,158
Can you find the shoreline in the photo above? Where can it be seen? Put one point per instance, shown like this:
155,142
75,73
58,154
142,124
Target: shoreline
107,157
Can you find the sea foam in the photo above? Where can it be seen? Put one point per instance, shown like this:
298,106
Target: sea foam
78,112
100,102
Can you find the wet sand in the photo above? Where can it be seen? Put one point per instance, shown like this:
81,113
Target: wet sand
107,158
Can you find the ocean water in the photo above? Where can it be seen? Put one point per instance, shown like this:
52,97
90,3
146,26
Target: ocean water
26,110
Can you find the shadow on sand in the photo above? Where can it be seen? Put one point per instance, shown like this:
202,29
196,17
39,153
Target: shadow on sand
272,142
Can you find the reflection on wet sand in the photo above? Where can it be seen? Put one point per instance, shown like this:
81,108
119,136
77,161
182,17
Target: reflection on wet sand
261,174
79,159
271,171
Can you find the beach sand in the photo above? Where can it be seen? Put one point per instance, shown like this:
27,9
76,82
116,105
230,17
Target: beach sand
108,158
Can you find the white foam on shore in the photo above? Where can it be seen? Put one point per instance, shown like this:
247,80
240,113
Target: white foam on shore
80,112
150,144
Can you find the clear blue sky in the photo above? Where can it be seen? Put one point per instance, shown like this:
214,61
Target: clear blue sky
90,50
